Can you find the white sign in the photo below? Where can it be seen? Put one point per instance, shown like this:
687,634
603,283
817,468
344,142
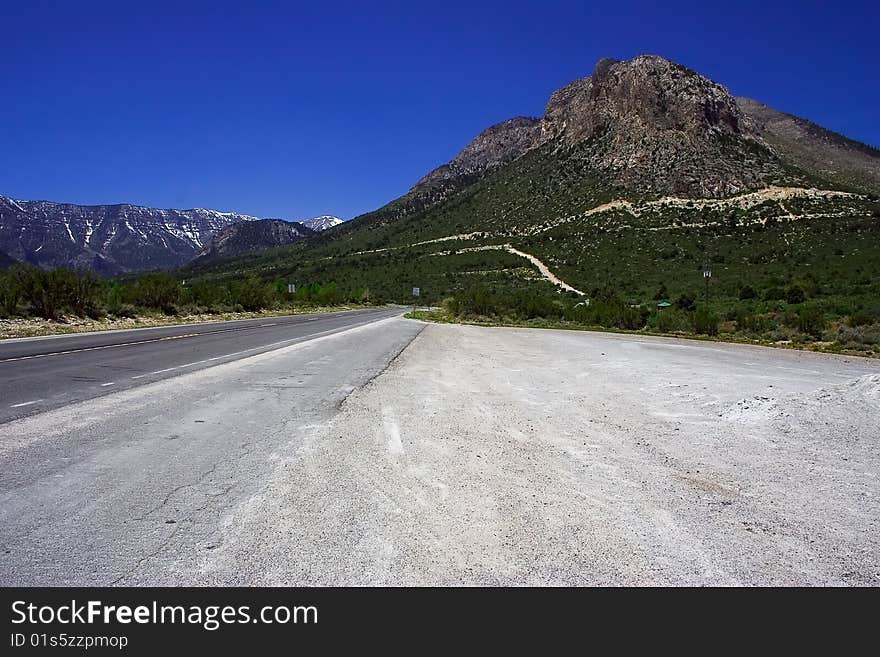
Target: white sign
416,291
291,288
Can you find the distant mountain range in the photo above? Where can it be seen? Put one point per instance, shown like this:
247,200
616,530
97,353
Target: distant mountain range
112,239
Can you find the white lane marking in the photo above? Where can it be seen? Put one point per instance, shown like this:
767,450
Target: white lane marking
139,376
106,346
167,369
35,401
198,362
104,385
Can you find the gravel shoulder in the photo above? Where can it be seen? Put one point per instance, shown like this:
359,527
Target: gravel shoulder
489,456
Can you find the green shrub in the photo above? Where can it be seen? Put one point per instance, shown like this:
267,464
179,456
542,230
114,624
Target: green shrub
774,294
864,316
811,321
747,292
858,335
158,290
705,321
754,323
686,302
669,320
250,294
10,293
794,294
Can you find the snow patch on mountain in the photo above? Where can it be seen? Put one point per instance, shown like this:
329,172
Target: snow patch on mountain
322,223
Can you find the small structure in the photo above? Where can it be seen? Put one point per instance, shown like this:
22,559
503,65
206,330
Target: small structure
663,304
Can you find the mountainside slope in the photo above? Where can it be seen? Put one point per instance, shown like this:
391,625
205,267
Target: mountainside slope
249,237
638,176
6,260
813,148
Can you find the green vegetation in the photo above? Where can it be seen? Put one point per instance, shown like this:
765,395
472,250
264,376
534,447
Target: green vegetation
26,291
792,271
803,325
803,270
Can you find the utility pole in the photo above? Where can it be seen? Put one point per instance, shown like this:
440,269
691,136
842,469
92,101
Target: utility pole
707,275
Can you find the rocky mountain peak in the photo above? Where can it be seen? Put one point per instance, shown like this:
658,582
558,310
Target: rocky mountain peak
322,223
647,94
646,124
493,147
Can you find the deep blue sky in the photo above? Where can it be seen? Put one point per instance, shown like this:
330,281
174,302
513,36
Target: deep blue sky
296,109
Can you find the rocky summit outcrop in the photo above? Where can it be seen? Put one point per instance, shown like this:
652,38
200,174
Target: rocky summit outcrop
252,236
647,95
652,126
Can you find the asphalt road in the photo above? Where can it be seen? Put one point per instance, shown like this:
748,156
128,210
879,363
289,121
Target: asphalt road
115,488
38,374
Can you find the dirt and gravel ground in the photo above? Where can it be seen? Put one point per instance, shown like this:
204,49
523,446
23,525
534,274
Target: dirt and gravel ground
475,456
515,456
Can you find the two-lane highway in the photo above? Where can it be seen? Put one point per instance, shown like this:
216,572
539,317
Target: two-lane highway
38,374
136,481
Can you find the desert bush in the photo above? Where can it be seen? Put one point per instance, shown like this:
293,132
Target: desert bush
754,323
811,321
865,316
158,290
774,294
10,293
794,294
865,334
251,294
686,302
669,320
84,292
747,292
705,321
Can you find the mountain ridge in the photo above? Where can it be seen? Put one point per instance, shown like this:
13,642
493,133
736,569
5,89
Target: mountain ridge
644,162
113,238
243,238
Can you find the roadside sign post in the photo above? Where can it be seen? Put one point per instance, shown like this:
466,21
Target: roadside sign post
416,293
707,275
291,288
